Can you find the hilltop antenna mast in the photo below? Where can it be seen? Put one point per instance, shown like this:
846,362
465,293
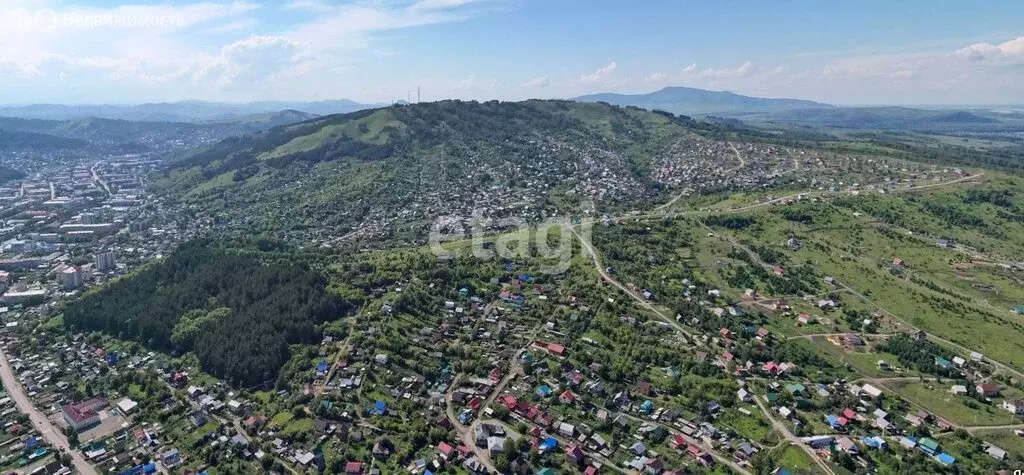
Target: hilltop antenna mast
417,94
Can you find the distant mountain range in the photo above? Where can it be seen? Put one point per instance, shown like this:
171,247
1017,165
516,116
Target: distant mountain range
186,111
700,102
677,100
132,135
688,100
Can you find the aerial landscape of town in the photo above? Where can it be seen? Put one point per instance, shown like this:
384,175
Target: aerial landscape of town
533,279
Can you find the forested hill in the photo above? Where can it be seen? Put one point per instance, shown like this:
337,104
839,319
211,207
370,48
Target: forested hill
237,311
408,161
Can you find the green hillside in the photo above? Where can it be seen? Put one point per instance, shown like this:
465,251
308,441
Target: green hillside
335,170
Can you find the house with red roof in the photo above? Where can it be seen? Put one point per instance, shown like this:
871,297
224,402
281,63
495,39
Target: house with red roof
700,455
770,368
446,450
179,379
84,414
509,401
575,453
988,389
849,414
567,397
354,468
678,441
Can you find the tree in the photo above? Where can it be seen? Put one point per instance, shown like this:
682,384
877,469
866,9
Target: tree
72,434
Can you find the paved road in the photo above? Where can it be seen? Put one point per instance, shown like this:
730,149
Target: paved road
98,179
39,420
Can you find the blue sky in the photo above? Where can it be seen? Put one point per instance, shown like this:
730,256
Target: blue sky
864,52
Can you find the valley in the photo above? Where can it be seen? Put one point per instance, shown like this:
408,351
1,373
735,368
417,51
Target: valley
660,293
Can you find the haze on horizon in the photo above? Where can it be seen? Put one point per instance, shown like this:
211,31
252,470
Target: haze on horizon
860,53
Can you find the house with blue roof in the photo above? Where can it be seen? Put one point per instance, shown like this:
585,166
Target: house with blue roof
942,362
543,390
945,459
549,444
141,469
874,442
647,407
380,408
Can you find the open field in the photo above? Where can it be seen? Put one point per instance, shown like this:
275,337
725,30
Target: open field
937,398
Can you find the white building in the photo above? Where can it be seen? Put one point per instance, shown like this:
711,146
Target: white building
70,278
127,406
105,261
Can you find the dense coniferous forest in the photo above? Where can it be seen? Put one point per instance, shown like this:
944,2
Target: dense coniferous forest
238,313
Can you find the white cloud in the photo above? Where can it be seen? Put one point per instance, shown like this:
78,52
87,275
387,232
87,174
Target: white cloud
982,51
440,4
308,6
656,78
252,60
17,69
600,74
744,70
536,82
902,74
466,84
207,48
